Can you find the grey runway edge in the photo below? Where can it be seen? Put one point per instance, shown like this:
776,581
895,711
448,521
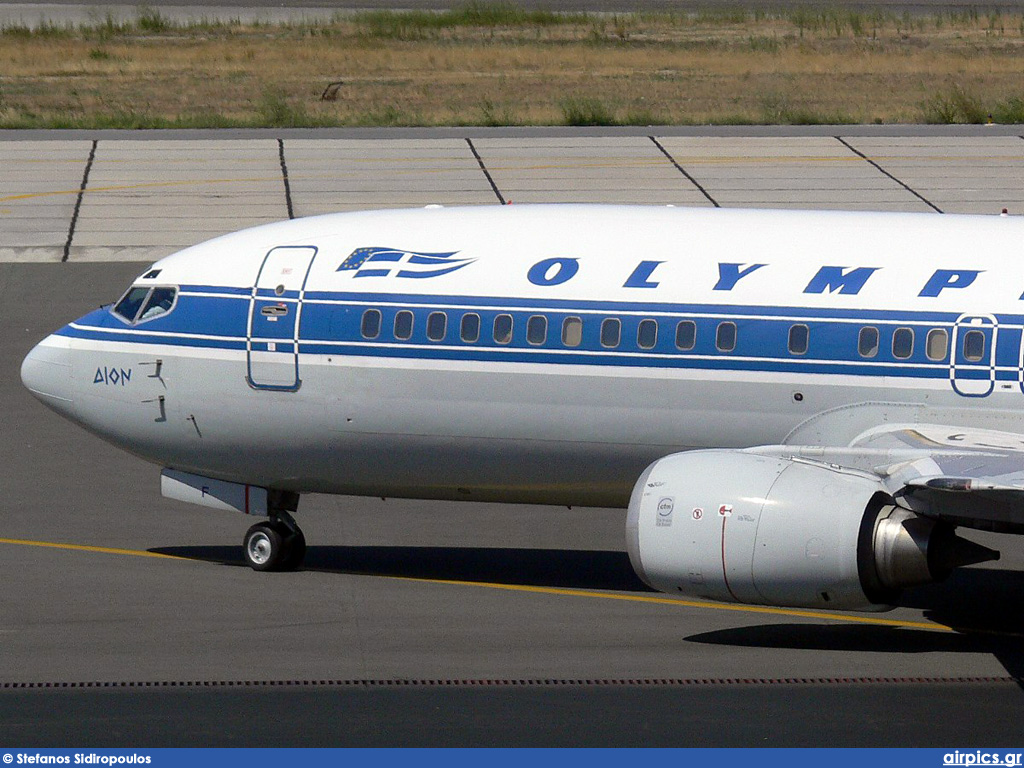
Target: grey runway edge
118,196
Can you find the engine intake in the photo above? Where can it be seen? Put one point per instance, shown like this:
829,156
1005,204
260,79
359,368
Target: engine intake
742,527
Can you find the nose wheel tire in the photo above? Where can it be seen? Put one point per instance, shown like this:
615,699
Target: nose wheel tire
273,546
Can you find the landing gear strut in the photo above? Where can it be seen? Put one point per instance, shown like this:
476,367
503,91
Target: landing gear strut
276,545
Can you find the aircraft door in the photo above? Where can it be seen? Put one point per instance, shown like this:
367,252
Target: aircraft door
275,311
973,356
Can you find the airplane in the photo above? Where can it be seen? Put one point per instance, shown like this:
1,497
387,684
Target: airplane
796,408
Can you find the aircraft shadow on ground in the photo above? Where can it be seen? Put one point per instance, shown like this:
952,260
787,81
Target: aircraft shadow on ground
843,637
979,599
570,569
980,604
871,639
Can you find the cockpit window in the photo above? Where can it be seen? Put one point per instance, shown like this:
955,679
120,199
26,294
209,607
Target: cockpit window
129,306
141,304
159,303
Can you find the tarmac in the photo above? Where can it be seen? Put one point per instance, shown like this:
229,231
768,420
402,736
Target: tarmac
129,619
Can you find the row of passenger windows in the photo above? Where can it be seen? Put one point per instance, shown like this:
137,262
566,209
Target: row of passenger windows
936,344
537,330
726,334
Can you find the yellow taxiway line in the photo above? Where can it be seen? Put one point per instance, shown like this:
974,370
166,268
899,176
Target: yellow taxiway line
560,591
690,603
84,548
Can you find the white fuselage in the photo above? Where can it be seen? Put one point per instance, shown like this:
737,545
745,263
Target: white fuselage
340,353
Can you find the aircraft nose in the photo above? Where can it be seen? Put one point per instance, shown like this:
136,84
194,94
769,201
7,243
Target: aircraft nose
46,373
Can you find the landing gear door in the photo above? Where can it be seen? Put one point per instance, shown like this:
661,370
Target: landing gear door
973,357
275,311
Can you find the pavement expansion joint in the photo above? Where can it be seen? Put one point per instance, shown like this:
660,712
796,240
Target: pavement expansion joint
284,176
78,200
882,170
483,167
683,171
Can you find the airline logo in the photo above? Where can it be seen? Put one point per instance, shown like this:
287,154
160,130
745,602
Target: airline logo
395,262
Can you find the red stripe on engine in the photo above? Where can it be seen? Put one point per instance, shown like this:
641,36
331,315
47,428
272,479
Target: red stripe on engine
725,574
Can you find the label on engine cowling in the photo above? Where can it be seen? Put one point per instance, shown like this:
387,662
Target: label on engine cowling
665,506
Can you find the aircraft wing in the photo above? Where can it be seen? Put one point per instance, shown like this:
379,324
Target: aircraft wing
969,477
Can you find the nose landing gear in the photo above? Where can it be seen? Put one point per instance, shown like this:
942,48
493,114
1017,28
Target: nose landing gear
276,545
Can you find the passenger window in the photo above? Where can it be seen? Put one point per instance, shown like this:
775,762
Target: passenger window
537,329
647,334
128,307
903,343
572,331
611,332
371,324
974,346
799,335
159,303
470,331
403,325
725,338
686,334
867,343
437,325
503,329
937,344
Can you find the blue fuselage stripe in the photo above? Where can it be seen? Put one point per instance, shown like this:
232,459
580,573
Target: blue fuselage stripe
332,323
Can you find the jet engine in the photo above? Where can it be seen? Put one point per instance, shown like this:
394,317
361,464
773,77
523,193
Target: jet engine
742,527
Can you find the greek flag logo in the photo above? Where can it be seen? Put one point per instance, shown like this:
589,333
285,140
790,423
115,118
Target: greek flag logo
395,262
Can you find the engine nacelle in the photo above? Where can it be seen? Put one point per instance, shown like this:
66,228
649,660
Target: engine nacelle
743,527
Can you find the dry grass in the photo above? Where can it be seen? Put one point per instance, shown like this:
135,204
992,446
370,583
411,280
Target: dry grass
409,70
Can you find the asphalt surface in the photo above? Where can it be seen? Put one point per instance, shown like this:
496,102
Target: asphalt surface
540,715
429,623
